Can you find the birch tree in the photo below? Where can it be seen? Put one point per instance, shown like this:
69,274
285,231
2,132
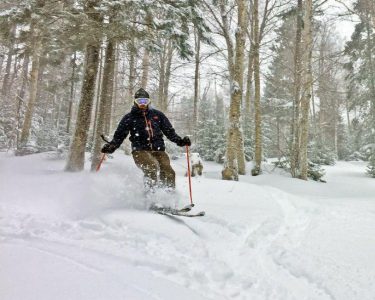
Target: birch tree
307,86
258,121
235,158
295,135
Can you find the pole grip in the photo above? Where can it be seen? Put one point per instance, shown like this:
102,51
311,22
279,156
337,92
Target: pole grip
104,139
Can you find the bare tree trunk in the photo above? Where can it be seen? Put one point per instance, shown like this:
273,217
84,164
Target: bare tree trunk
1,63
76,157
295,134
16,67
307,87
104,103
57,115
131,85
97,93
258,114
197,40
146,55
335,124
371,72
21,94
234,156
37,45
145,68
228,39
162,67
110,61
6,80
219,108
250,73
322,97
167,77
71,98
279,152
115,88
240,149
132,66
348,116
313,114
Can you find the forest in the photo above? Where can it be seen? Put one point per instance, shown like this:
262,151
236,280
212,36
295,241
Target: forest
247,80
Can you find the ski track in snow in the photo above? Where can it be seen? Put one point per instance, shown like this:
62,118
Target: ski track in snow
266,255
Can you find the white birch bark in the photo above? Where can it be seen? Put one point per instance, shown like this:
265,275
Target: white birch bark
295,130
235,157
258,117
307,87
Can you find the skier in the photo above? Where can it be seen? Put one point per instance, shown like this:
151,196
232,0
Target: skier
147,126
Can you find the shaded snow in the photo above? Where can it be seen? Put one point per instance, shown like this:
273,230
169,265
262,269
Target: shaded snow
89,235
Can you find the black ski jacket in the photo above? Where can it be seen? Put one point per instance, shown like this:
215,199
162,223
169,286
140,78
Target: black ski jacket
146,128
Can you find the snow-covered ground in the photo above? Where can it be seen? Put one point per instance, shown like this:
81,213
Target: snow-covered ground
89,235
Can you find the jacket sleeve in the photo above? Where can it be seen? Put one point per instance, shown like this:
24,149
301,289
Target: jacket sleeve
121,132
168,129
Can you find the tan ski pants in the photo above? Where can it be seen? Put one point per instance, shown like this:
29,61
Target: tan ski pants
150,162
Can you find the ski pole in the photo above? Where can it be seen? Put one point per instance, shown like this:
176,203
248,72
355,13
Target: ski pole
189,174
100,163
103,155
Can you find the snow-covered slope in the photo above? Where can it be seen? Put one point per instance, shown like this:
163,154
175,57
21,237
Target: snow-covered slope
90,236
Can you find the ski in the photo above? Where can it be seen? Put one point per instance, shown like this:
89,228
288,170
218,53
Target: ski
183,212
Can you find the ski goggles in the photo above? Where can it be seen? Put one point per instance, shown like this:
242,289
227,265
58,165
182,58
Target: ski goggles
142,101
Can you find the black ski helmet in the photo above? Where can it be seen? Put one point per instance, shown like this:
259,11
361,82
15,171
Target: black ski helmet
141,93
142,99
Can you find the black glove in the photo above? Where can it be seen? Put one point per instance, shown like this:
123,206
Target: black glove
109,148
185,141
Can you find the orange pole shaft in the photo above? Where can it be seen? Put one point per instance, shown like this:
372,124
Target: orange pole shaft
100,163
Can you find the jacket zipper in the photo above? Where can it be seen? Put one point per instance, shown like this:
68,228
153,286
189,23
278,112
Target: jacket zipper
149,129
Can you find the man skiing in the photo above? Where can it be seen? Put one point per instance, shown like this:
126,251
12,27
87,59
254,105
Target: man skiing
147,126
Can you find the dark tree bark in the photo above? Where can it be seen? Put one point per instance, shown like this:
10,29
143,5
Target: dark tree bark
21,94
258,116
6,79
196,78
295,135
76,156
97,93
104,103
72,89
36,49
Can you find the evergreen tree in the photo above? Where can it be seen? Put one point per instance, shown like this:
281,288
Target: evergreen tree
279,91
361,88
210,141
